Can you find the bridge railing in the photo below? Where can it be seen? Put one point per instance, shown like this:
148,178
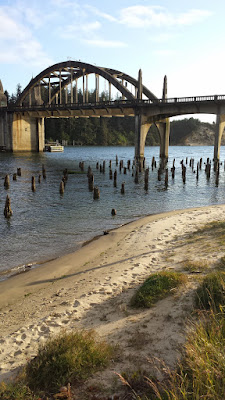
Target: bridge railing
119,103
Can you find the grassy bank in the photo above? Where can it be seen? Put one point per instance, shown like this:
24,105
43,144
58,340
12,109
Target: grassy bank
66,358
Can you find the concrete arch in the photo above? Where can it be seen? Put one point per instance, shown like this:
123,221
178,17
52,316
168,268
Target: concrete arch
78,69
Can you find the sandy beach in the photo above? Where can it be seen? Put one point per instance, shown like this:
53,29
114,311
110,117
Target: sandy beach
91,289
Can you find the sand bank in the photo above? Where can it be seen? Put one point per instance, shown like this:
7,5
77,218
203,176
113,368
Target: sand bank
91,288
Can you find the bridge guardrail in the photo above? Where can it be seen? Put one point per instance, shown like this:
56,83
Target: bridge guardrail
119,103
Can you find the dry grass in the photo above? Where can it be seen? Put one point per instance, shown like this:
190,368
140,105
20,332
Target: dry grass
195,267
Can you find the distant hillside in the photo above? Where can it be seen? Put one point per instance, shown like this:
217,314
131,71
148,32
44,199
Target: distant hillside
191,132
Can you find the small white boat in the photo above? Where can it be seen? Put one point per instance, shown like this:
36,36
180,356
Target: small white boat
54,147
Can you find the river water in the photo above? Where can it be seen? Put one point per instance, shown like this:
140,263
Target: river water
45,224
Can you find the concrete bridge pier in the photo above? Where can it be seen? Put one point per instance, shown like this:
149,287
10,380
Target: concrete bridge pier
5,130
28,133
141,129
164,132
21,133
220,125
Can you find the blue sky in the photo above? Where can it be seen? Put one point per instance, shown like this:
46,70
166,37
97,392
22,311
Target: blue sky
181,39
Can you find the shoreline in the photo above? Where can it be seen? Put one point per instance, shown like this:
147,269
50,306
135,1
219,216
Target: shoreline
91,288
103,241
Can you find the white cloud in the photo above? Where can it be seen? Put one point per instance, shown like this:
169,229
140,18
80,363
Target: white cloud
147,16
192,16
17,44
79,29
9,29
105,43
95,11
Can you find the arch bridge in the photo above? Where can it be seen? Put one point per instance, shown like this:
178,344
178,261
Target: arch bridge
62,90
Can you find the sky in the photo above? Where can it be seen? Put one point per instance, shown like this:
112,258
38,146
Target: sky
181,39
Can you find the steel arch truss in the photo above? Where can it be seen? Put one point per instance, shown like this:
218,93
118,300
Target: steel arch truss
65,75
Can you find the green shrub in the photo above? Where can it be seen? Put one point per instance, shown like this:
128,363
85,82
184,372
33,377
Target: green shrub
16,391
156,287
69,357
211,293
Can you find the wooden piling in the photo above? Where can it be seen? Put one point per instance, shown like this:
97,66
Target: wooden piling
123,188
153,162
121,165
33,186
136,177
113,212
91,182
19,171
14,177
217,174
208,169
43,171
116,160
183,173
166,178
159,174
143,163
61,187
39,179
115,178
173,171
146,175
146,179
7,210
96,193
89,171
81,165
6,182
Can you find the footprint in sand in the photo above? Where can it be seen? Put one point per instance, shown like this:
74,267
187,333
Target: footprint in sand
43,329
17,353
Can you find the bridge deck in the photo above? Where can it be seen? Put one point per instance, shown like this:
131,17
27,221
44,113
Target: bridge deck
156,107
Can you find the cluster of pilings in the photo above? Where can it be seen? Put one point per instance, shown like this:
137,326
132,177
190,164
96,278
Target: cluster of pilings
7,210
136,169
139,169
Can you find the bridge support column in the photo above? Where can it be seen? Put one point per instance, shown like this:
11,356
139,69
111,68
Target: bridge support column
5,130
220,125
164,131
141,130
27,133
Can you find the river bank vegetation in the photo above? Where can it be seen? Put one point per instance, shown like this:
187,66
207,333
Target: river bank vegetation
120,131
